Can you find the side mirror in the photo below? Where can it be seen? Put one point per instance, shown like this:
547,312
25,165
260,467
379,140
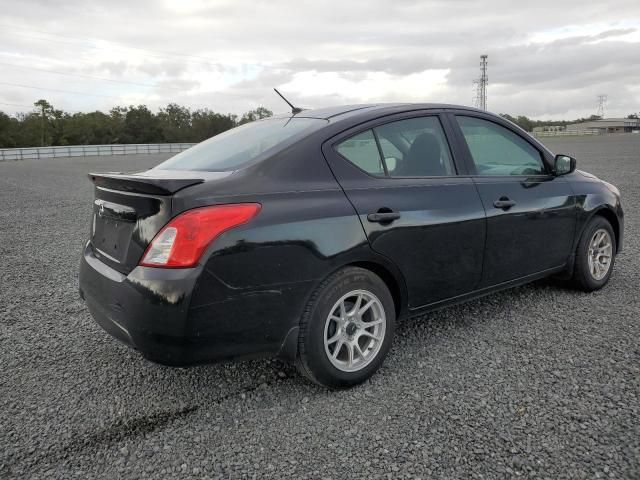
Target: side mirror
563,164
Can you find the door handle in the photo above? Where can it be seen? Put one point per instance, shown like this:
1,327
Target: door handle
383,217
504,203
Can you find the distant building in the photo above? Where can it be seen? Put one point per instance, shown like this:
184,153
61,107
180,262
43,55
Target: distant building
606,125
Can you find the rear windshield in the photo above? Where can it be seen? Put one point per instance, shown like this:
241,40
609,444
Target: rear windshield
238,146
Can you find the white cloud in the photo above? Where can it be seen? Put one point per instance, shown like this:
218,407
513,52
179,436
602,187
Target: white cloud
372,87
546,58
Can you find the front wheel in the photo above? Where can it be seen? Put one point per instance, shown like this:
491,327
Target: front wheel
595,255
346,329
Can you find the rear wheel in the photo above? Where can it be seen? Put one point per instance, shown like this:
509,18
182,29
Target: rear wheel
595,255
347,329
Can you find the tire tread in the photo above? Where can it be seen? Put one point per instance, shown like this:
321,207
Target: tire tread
303,359
581,278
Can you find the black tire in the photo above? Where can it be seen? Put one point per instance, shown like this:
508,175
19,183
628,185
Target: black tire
582,276
313,361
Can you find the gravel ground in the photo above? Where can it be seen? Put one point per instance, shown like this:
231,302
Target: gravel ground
540,381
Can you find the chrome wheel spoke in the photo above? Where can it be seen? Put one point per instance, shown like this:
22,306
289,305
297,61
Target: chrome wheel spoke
372,323
335,337
365,333
356,307
367,306
344,328
343,311
349,354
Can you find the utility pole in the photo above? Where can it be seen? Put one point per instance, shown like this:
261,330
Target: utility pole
481,84
602,100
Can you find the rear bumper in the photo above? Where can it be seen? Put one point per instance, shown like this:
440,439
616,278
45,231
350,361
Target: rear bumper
154,311
146,309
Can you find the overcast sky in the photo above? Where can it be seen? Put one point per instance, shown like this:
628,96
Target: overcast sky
547,59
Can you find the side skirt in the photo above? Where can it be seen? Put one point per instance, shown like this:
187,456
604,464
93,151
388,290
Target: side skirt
484,291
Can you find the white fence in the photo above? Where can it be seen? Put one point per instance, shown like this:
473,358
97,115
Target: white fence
567,133
91,150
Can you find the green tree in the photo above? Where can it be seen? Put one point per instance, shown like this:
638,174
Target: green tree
206,123
46,112
30,130
523,122
56,126
95,128
118,115
253,115
141,126
9,128
175,122
47,125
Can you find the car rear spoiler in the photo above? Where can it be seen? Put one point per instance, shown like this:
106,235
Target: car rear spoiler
136,183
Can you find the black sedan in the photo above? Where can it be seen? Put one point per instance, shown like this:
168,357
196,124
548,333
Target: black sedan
306,236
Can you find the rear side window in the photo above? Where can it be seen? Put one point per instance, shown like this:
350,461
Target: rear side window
234,148
415,147
362,151
498,151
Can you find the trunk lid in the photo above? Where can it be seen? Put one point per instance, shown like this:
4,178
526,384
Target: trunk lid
129,209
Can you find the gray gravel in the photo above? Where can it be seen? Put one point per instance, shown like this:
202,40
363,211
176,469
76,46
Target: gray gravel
540,381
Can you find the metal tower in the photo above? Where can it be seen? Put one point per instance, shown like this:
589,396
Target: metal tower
602,100
481,84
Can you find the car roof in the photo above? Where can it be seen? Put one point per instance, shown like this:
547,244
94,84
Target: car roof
341,112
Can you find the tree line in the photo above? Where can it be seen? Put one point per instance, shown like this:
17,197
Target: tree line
48,126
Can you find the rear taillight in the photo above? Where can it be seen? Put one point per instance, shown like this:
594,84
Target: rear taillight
181,242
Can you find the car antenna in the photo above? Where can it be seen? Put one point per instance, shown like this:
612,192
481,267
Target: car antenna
294,110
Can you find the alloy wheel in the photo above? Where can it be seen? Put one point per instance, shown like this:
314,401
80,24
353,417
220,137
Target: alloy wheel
354,330
600,253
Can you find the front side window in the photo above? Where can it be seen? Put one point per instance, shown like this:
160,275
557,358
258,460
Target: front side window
234,148
496,150
414,147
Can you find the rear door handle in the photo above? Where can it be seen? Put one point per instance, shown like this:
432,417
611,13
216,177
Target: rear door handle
504,203
383,217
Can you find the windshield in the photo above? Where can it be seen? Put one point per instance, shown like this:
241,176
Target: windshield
238,146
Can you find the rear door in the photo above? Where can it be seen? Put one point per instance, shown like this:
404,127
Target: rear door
399,173
530,212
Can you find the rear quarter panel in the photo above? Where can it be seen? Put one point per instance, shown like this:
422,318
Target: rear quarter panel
257,278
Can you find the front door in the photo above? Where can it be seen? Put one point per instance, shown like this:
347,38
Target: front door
530,212
416,210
